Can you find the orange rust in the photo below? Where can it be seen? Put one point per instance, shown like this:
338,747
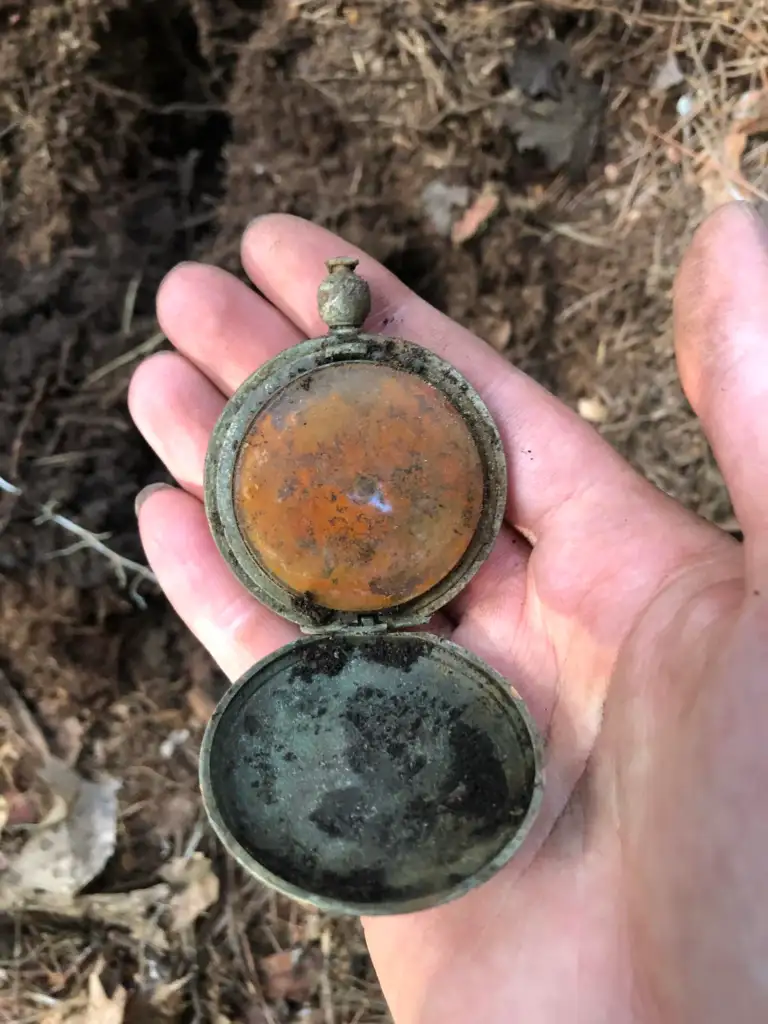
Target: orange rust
360,486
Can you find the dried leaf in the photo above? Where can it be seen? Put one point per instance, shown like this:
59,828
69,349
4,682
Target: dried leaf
541,69
207,688
197,889
751,111
669,75
501,335
175,739
158,1002
592,410
74,842
552,109
477,216
440,202
93,1007
58,811
278,973
69,739
733,150
721,177
22,718
176,815
497,332
132,910
292,974
54,1017
169,992
103,1009
23,809
201,703
719,188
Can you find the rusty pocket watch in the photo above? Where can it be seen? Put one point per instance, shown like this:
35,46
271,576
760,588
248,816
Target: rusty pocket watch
354,484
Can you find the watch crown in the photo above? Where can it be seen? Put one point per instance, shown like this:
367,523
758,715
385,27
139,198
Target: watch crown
343,298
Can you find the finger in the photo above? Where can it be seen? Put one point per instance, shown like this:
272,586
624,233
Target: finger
220,324
231,624
561,470
721,324
175,407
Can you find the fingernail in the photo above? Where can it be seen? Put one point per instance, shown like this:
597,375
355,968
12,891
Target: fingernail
145,492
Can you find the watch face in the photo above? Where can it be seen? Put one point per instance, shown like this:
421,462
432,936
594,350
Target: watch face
360,484
355,480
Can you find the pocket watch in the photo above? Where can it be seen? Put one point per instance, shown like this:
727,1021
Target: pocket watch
354,484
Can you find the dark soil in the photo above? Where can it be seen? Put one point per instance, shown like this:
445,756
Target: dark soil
136,133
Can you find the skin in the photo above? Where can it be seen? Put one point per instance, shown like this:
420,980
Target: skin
636,632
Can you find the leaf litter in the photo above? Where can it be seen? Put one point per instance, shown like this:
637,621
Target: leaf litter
73,842
94,1006
553,110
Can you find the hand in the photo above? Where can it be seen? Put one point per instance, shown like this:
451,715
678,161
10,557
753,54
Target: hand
637,633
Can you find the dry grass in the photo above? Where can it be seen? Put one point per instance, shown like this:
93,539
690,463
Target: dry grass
668,169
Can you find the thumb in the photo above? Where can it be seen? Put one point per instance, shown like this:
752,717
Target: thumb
721,340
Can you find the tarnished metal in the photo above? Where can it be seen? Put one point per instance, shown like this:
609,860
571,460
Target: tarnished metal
303,360
343,298
362,769
360,486
372,774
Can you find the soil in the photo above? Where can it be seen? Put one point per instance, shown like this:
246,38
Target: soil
136,133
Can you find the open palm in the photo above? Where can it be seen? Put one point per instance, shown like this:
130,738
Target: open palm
633,629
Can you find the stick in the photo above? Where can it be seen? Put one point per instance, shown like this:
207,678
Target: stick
122,566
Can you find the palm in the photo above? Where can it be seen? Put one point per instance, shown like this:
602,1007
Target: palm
579,622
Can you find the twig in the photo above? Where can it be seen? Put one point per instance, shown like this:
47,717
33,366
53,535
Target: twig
25,421
326,991
127,357
127,910
576,235
23,719
703,157
154,108
129,305
123,567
